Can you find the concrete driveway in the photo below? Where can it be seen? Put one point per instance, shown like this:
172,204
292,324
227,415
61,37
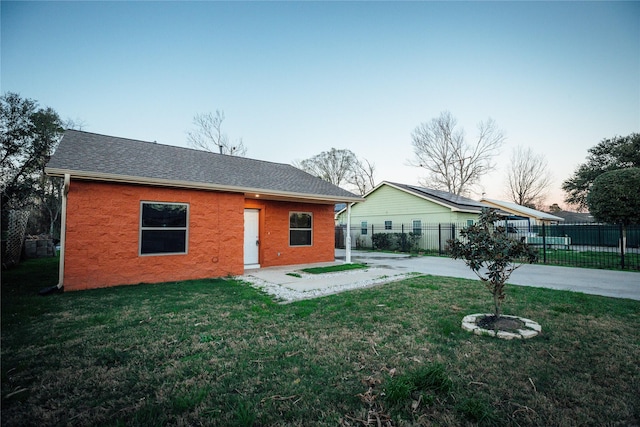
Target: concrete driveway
618,284
291,284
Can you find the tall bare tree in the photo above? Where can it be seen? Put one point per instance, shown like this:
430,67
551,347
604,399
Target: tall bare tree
341,168
209,136
362,176
528,178
452,163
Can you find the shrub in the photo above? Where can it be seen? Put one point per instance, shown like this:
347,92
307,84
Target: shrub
404,242
491,254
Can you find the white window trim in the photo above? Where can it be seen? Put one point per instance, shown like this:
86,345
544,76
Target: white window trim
413,226
301,229
364,228
141,228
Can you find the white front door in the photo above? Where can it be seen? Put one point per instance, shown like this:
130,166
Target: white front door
251,238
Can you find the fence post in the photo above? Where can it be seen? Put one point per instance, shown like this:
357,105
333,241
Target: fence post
622,248
372,244
439,239
544,244
453,231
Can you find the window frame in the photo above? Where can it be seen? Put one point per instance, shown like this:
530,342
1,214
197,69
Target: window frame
364,228
309,229
142,228
388,224
419,228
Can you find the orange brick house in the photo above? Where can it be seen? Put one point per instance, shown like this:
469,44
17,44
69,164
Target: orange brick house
142,212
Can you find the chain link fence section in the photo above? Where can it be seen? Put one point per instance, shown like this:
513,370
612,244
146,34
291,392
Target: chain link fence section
15,236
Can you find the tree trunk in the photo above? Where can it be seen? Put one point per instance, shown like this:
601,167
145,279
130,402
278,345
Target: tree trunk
496,304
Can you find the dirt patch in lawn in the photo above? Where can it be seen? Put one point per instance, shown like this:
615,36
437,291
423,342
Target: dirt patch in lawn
507,324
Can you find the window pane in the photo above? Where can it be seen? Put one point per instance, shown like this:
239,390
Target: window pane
163,241
299,220
300,237
164,215
417,227
387,225
363,227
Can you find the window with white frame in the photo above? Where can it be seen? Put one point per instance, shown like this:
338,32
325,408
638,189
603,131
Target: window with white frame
417,227
163,228
300,228
469,222
388,225
363,228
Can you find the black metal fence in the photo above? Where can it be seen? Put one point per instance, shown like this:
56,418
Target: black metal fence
586,245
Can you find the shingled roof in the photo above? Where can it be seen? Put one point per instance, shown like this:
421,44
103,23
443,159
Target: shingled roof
450,200
91,156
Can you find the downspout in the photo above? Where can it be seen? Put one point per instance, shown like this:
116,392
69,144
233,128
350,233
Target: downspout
348,236
63,229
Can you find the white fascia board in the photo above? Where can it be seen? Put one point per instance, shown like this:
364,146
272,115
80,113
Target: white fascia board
264,193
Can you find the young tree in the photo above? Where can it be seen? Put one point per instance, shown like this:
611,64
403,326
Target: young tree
453,164
528,178
341,168
615,198
619,152
208,135
491,254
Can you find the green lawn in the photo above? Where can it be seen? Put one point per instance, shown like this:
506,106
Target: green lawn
217,352
334,268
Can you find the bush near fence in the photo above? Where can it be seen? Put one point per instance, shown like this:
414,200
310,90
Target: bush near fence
590,245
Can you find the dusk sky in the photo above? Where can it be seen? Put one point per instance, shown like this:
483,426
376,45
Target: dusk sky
297,78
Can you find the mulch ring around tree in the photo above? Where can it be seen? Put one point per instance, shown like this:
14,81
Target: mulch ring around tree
505,327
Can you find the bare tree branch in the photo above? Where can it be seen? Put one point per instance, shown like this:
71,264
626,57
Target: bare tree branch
340,167
528,178
451,163
362,176
208,135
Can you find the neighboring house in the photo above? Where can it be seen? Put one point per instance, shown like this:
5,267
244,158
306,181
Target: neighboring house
522,217
394,207
575,217
138,211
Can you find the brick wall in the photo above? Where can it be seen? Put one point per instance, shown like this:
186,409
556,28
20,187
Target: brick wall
103,236
102,240
274,233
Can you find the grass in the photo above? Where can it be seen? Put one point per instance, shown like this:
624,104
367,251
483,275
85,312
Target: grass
218,352
334,268
592,259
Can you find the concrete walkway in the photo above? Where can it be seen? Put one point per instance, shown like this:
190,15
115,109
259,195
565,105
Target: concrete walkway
384,268
611,283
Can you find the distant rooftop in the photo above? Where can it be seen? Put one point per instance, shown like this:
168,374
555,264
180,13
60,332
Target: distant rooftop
522,210
454,201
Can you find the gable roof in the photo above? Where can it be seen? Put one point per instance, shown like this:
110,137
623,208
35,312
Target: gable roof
517,209
454,202
91,156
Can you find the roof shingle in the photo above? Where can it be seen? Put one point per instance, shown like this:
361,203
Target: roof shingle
94,156
452,200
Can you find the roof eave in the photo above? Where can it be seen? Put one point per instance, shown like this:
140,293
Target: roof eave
248,191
